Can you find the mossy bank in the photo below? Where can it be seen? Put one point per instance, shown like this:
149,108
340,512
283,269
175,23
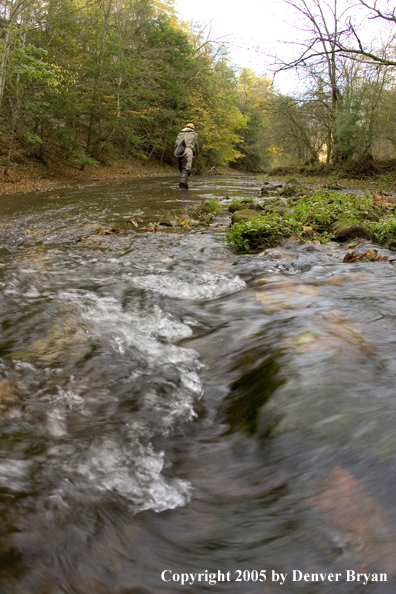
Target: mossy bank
321,214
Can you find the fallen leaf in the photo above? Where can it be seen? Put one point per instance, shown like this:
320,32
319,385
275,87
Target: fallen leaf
367,256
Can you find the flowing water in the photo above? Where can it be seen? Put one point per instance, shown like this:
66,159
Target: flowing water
167,404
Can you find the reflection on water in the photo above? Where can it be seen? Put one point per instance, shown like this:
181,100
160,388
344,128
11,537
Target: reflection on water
168,404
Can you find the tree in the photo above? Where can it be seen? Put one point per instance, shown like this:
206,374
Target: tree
331,86
355,48
17,17
124,77
254,94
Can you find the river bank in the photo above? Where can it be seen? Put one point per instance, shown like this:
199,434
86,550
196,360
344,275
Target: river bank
35,176
55,176
385,182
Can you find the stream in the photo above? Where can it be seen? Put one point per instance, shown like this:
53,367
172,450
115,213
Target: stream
170,407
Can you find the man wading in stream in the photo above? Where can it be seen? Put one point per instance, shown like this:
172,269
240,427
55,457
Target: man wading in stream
187,146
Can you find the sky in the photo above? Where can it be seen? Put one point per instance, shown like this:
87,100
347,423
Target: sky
252,24
246,26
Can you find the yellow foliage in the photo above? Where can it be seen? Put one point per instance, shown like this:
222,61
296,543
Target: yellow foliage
275,151
166,7
217,122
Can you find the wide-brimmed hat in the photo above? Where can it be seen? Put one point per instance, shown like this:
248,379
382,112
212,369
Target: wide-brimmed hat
190,126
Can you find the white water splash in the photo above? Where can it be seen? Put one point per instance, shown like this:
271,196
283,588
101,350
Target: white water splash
202,286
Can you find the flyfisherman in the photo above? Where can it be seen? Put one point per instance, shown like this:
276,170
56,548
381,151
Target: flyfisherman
187,146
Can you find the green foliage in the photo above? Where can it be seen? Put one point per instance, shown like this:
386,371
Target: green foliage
84,159
325,207
214,205
264,231
384,231
33,138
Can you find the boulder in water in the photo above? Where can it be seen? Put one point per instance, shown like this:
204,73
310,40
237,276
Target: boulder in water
293,188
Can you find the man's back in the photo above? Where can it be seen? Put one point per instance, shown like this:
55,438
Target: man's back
191,139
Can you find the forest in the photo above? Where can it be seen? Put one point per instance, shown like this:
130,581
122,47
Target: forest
82,81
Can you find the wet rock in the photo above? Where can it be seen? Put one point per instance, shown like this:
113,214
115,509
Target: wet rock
270,190
168,220
132,223
203,208
244,204
348,232
277,254
201,212
244,215
279,205
293,188
308,231
371,216
253,206
280,208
